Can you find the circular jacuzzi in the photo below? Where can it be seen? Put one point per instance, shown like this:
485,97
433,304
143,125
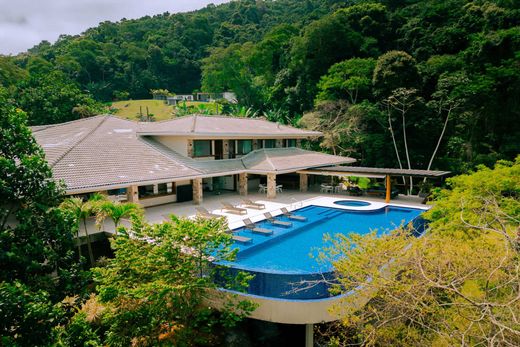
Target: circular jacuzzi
352,203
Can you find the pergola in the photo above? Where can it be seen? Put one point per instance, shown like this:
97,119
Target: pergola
343,171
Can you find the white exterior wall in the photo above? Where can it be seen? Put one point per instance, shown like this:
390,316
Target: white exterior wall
165,199
177,143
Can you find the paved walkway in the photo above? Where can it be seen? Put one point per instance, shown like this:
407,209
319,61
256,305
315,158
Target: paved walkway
291,199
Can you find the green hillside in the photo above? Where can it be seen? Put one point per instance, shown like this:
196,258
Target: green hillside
340,67
132,109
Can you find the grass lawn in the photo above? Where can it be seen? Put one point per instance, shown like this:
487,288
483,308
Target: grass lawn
129,109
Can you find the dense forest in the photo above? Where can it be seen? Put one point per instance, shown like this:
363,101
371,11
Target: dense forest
415,84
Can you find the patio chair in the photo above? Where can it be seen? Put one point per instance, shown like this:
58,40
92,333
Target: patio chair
252,226
252,204
274,221
292,216
238,238
233,209
203,213
279,188
262,188
324,188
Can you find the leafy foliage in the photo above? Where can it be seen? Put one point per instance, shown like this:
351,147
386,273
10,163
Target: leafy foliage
36,237
153,291
457,284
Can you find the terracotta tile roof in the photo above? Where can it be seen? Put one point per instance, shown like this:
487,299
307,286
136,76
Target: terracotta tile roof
222,125
289,159
104,151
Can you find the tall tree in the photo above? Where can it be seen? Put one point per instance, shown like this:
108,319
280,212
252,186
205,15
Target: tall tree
455,285
36,237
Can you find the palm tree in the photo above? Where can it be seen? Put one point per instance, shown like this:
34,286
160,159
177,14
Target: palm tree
81,210
117,211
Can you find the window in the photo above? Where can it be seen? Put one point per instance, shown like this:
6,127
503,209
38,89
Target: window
202,148
244,146
260,144
269,143
162,189
231,149
145,191
290,143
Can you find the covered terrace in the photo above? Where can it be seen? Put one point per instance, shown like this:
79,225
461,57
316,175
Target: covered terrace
372,172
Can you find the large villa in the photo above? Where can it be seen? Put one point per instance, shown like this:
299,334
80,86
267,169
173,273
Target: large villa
191,162
180,159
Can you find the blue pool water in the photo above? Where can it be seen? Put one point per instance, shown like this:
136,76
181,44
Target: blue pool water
289,254
352,203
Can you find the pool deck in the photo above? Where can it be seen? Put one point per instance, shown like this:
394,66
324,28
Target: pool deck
291,199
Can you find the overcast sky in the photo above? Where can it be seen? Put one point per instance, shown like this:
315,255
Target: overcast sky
25,23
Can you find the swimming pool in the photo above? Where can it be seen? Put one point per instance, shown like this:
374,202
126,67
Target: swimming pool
352,203
287,257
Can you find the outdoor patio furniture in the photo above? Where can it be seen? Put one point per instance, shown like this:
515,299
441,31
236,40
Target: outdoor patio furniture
279,188
342,188
203,213
233,209
292,216
238,238
252,204
324,188
274,221
252,226
262,188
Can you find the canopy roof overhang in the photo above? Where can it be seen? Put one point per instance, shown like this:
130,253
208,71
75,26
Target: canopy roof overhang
373,172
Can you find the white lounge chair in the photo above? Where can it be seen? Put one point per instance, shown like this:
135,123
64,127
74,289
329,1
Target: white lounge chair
233,209
252,204
203,213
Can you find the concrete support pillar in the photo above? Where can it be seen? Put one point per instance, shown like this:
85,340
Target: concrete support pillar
197,190
309,335
388,189
304,182
155,189
299,143
242,184
271,185
190,148
255,144
279,143
132,194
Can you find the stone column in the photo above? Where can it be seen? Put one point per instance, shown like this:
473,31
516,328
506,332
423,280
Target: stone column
225,149
255,144
242,184
279,143
132,194
304,182
271,185
197,190
190,148
299,143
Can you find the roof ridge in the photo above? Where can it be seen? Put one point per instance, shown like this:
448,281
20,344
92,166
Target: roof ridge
194,125
47,126
268,160
61,156
165,151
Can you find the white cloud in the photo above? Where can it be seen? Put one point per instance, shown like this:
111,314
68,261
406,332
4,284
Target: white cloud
25,23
